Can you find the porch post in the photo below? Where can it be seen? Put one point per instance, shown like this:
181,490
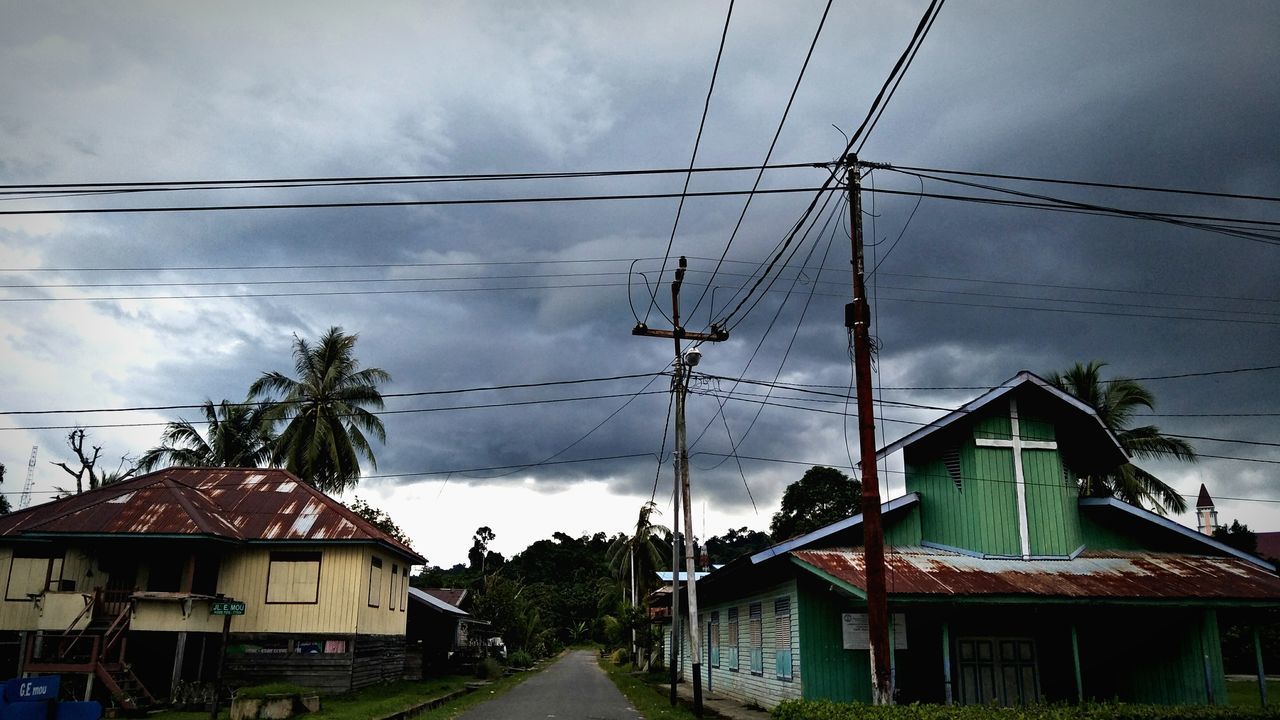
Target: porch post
946,660
1262,675
179,654
1075,659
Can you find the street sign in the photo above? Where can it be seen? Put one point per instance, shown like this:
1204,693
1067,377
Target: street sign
226,607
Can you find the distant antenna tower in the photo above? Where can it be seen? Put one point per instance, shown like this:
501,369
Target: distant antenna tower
25,500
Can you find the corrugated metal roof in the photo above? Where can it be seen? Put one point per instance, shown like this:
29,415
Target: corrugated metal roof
453,596
233,504
429,599
1098,574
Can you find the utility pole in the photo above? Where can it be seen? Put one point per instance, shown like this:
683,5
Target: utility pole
675,570
857,317
683,366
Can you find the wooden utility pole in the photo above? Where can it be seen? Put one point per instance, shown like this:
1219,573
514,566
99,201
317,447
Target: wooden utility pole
857,317
675,572
683,365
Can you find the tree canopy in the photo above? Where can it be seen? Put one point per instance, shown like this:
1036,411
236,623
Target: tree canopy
325,411
236,435
822,496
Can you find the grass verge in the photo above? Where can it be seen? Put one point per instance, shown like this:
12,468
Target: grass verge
383,700
644,696
1244,693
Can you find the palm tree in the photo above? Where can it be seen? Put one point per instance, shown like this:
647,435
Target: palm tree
236,435
325,411
1115,400
635,559
638,557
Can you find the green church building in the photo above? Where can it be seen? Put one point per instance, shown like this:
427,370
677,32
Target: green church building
1005,586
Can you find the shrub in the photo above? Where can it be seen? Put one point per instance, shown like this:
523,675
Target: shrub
620,657
520,659
488,669
828,710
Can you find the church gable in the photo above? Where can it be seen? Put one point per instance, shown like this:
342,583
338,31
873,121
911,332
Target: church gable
996,477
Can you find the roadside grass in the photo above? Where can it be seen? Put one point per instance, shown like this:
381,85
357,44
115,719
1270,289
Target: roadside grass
383,700
641,690
1244,693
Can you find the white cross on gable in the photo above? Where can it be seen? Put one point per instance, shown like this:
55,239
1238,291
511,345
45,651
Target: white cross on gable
1018,444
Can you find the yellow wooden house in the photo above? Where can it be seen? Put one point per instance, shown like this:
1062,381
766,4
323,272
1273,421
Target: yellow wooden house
118,587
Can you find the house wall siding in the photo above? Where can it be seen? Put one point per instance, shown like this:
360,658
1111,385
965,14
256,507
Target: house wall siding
243,577
765,689
380,620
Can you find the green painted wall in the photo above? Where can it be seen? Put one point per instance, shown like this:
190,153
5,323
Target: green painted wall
980,513
1154,657
1101,537
904,531
830,671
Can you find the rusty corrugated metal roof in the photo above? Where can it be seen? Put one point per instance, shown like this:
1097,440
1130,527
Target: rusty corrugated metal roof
1099,574
453,596
227,503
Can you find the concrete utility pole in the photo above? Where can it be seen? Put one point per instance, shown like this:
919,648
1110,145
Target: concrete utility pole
683,365
857,317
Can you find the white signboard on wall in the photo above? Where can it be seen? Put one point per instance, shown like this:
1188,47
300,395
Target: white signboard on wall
856,633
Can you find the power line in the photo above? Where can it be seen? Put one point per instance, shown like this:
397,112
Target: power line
697,141
478,406
419,393
917,41
400,203
795,88
161,185
1083,183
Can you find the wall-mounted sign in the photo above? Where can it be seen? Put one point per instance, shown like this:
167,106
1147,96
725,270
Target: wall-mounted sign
226,607
856,633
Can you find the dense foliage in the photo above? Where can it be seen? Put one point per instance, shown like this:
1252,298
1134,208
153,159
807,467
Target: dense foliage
822,496
828,710
1116,401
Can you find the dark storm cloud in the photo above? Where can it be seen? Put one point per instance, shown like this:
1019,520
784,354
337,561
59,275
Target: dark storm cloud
1179,96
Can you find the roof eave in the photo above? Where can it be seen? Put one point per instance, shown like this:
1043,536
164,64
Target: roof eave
1024,377
846,524
1182,530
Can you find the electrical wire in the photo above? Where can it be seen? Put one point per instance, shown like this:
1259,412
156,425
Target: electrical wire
402,203
795,88
268,183
697,141
416,393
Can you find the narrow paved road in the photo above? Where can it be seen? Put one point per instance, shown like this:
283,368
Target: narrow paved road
574,688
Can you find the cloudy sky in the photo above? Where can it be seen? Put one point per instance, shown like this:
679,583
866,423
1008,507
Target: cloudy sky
1169,94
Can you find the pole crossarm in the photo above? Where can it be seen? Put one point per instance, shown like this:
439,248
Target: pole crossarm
717,334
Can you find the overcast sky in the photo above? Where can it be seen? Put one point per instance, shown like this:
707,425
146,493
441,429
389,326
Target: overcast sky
1168,94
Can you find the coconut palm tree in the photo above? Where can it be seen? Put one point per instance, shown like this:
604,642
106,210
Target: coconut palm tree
236,435
634,561
1116,400
325,411
636,558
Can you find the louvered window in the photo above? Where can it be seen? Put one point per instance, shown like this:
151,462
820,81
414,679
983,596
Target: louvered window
757,638
782,637
732,646
952,461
